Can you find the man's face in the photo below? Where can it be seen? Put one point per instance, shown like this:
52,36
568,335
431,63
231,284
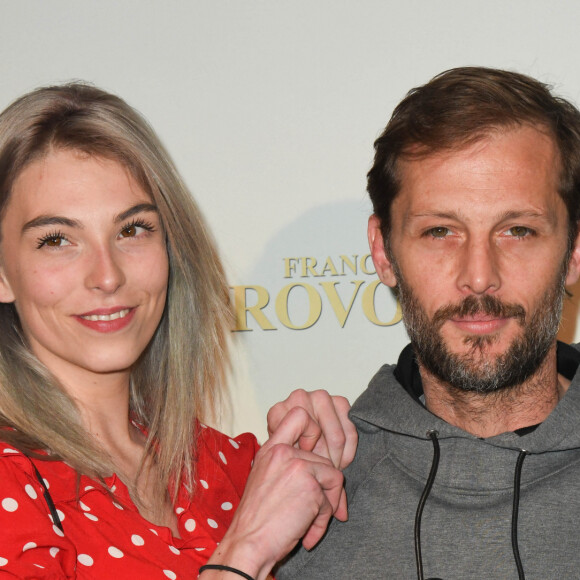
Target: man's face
478,248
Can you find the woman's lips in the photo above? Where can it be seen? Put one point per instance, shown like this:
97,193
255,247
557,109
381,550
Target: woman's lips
107,319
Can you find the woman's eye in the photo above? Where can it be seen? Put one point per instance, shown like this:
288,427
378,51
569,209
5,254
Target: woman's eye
129,232
439,232
53,241
135,229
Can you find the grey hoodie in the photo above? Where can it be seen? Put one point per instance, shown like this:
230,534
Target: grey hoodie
493,511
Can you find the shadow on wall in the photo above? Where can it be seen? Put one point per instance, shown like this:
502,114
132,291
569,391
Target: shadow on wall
316,315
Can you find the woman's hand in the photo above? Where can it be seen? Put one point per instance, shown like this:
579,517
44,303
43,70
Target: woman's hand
329,432
291,494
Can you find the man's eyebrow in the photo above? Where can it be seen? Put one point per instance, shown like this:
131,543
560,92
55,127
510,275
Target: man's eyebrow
136,209
57,220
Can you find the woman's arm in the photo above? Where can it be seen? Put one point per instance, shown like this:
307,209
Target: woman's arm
290,494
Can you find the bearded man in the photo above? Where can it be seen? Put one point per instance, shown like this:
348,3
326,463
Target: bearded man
468,463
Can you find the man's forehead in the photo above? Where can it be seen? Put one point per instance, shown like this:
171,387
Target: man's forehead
518,166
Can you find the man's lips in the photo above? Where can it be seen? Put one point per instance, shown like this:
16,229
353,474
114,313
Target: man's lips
483,324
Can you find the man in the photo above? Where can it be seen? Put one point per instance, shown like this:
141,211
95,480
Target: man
468,463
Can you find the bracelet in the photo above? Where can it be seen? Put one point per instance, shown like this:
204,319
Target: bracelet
225,568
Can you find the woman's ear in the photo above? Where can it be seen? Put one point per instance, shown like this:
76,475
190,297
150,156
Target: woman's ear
383,265
6,294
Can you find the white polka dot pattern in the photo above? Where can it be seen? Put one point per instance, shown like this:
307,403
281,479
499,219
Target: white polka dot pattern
9,504
115,552
137,540
57,531
30,491
85,560
104,535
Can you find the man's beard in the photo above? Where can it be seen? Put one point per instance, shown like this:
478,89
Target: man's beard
475,370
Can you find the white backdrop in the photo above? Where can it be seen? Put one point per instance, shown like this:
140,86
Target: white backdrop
270,110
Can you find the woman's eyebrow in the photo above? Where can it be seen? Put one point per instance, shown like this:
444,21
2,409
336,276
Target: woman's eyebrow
50,220
57,220
139,208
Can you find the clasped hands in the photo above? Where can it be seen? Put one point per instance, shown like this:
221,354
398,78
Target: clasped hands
295,485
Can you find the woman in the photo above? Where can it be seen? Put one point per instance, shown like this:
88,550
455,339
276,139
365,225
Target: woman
114,321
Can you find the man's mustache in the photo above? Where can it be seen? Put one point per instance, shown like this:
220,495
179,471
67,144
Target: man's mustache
473,305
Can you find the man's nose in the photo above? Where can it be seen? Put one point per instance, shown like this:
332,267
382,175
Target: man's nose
478,268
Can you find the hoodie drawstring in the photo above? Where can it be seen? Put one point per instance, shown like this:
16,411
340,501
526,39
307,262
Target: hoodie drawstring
515,509
432,434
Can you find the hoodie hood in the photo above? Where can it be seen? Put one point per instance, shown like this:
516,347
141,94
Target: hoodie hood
392,403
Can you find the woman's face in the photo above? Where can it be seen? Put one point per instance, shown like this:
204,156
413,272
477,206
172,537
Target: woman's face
83,258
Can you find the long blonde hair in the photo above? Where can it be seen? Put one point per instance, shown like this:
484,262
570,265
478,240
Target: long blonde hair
179,376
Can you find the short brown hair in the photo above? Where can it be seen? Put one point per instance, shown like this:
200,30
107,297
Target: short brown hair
460,106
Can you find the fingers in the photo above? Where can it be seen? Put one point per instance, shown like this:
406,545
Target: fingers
293,426
342,407
329,432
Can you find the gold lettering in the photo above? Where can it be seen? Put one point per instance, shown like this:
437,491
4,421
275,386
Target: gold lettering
315,306
368,304
339,310
307,268
364,267
242,309
289,267
329,267
346,260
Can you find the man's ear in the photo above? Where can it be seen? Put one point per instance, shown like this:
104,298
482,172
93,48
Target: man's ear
574,263
383,265
6,294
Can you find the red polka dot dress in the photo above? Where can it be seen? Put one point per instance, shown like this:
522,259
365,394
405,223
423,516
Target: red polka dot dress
106,537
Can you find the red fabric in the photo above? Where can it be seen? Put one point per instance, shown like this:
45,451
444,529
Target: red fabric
104,539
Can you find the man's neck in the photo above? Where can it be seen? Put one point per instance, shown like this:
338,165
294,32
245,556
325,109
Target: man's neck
486,415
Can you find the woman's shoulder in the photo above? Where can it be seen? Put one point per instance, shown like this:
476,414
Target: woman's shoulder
20,472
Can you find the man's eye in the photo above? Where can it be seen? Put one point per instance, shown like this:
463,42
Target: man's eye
519,231
439,232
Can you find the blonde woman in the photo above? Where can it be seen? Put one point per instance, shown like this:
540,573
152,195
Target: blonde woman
114,318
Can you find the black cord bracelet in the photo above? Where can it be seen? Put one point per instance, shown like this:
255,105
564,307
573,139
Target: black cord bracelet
226,569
